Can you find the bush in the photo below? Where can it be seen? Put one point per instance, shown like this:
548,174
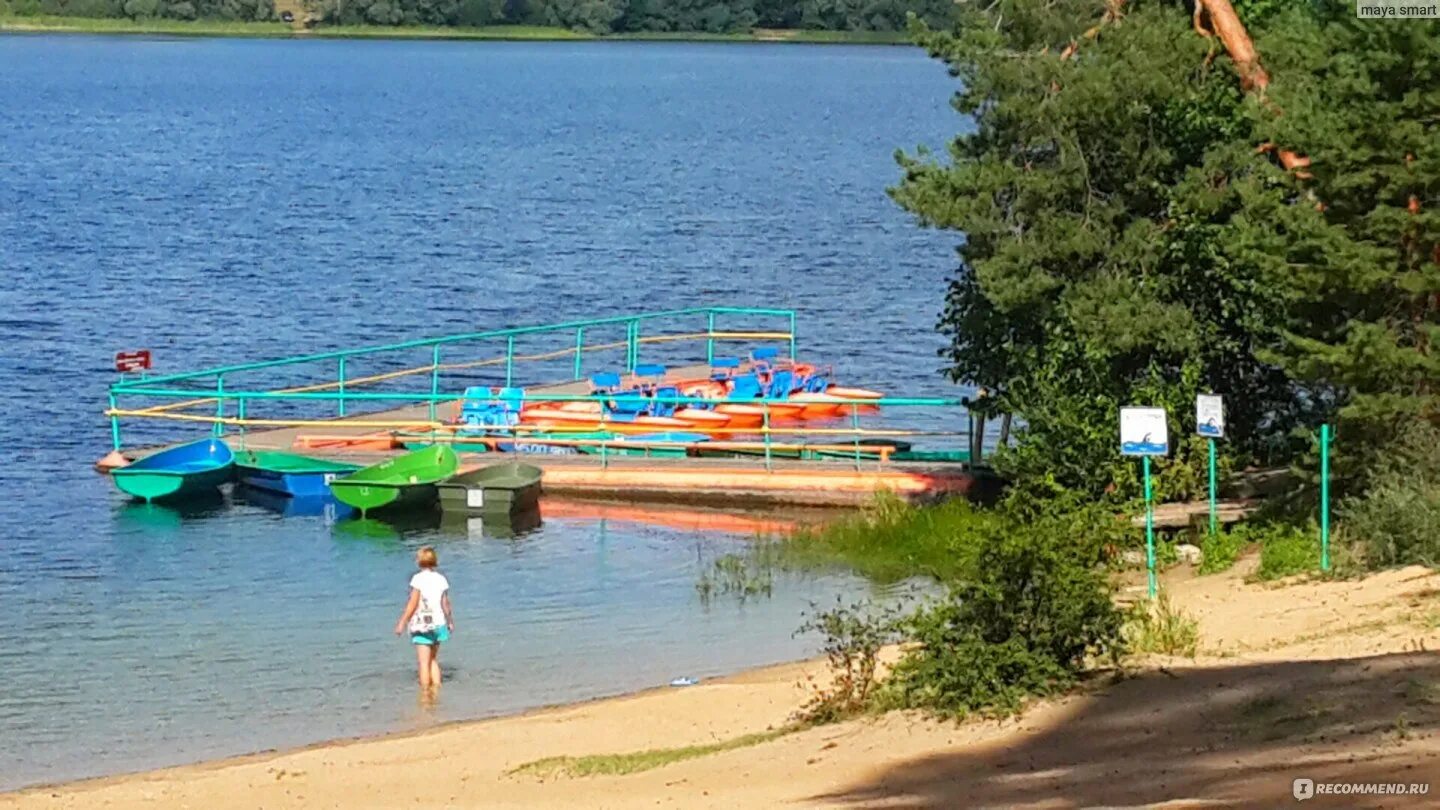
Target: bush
853,635
1286,550
1397,521
1034,608
1220,550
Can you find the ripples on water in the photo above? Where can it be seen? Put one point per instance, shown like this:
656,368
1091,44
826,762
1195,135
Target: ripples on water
217,200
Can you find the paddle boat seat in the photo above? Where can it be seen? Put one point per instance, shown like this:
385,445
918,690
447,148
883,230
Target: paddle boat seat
488,407
659,408
781,384
723,368
604,382
746,387
625,407
648,376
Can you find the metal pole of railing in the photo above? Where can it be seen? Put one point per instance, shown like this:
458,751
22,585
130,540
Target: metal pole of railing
792,334
114,426
340,384
219,404
240,412
634,341
579,348
769,465
604,440
434,379
709,338
509,360
855,426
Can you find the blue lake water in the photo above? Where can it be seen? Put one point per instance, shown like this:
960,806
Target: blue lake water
222,200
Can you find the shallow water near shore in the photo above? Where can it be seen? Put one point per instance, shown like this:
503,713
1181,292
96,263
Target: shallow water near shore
225,200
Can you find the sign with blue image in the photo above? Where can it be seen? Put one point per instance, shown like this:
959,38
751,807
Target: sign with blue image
1144,432
1210,416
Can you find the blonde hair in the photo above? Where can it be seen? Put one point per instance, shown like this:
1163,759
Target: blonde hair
426,558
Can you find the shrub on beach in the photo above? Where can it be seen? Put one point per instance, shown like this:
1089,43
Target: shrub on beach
1397,521
1034,610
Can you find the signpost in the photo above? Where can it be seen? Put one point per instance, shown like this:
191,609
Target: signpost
126,362
1145,432
1210,423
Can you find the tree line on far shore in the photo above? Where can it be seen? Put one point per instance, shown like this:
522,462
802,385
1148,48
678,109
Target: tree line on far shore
590,16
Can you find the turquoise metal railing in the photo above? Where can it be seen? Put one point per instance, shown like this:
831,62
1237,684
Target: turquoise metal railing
633,324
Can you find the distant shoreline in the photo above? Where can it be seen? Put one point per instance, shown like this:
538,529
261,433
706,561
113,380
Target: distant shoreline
502,33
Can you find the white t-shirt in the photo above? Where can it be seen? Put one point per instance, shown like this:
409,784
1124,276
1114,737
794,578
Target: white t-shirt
429,614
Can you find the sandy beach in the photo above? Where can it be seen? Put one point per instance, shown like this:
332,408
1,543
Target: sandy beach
1327,680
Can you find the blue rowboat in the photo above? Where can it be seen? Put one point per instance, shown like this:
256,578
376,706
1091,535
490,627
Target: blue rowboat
289,473
188,469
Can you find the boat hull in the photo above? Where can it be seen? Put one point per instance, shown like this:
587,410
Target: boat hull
404,482
289,474
502,488
184,471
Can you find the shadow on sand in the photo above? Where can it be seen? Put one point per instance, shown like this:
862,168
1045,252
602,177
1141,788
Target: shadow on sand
1233,736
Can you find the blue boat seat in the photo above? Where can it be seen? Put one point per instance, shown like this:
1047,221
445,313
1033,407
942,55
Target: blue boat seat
781,385
746,387
627,406
604,381
660,408
649,370
722,368
765,354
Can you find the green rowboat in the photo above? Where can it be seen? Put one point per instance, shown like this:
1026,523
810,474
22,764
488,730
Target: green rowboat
407,480
498,488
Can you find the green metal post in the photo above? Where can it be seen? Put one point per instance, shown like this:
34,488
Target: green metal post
633,355
1212,487
434,379
1324,497
1149,529
114,426
709,338
579,349
219,404
340,384
509,360
792,335
240,412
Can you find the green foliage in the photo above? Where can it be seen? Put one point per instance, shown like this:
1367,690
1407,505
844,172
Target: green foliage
854,635
890,540
1126,242
603,17
1220,550
1034,606
1286,550
1397,521
1160,628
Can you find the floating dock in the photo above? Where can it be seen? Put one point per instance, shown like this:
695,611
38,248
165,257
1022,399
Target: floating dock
314,403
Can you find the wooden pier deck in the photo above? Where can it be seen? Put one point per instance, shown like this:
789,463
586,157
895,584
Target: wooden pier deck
731,482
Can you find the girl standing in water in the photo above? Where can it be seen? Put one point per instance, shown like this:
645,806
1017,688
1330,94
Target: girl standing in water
427,616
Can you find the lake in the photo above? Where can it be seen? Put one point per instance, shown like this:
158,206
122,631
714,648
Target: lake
223,200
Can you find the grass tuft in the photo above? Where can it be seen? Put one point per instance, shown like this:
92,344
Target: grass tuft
1160,628
637,761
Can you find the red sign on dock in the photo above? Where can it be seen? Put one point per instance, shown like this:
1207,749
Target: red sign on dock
132,361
